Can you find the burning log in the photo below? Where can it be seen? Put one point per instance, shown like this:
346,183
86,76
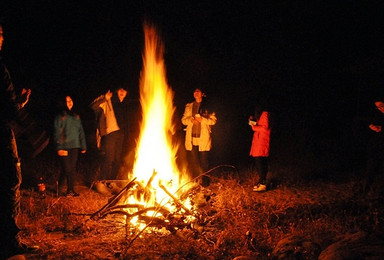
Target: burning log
141,210
172,221
149,183
145,191
177,201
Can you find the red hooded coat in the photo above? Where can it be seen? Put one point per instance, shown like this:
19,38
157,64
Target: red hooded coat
261,136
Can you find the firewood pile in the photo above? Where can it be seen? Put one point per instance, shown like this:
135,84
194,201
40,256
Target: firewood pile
157,216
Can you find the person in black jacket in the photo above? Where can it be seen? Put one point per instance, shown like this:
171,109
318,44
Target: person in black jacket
10,173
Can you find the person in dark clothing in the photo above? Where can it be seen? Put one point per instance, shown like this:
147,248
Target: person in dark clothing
112,115
375,149
69,139
121,105
10,175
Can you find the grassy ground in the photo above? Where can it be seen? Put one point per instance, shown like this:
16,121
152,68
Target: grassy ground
293,220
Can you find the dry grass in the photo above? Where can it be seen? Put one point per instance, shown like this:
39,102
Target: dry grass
233,221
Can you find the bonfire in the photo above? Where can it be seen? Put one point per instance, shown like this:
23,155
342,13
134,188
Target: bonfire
157,194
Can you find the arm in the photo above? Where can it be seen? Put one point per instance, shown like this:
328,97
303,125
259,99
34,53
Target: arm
211,119
263,123
83,143
8,97
376,128
95,105
58,134
24,97
187,118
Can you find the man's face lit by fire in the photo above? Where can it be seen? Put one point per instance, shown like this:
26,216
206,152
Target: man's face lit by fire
69,101
121,93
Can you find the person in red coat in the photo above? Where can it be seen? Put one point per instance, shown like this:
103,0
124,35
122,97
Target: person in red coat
260,124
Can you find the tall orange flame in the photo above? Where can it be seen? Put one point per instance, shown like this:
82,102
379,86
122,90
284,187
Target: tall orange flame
155,152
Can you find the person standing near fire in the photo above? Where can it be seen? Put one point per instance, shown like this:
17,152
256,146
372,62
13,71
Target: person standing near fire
10,176
260,124
375,150
112,114
198,121
69,139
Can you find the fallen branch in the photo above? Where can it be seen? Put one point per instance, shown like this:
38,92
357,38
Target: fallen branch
177,201
114,200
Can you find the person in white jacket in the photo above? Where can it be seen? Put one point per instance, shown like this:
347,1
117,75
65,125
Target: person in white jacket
198,121
111,111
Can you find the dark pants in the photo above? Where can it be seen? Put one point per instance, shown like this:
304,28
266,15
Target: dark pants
68,166
374,169
198,164
260,166
112,147
10,181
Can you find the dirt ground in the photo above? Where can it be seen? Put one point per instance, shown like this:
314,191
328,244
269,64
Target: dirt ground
233,221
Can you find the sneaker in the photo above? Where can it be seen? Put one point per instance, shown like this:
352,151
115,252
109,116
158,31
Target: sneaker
260,187
72,194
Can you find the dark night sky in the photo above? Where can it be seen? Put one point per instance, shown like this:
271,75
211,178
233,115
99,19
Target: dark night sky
316,62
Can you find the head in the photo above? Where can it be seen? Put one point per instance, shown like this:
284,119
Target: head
1,36
69,102
198,95
121,93
65,104
380,105
260,107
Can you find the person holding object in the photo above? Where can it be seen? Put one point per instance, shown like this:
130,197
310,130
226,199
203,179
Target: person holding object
260,124
198,141
69,139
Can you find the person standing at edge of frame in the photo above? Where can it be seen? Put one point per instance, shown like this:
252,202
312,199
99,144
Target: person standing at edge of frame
260,124
375,152
10,174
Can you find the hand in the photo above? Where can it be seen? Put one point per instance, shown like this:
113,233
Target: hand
196,120
376,128
25,93
62,152
108,95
